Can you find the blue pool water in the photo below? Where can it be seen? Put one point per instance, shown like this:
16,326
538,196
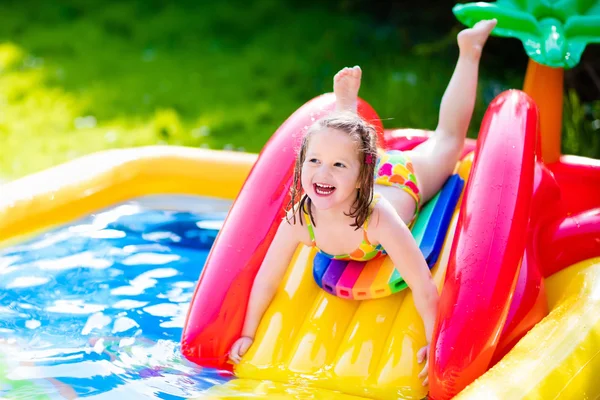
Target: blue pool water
96,308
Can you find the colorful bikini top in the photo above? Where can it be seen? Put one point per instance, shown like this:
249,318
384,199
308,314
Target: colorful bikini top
365,252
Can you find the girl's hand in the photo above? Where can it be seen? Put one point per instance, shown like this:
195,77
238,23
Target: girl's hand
239,348
423,355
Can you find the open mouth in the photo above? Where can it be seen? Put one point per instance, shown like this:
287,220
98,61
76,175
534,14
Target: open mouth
323,190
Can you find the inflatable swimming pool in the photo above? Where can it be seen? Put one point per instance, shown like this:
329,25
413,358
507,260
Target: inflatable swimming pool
493,291
313,343
518,266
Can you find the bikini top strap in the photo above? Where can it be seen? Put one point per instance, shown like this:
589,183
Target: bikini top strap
376,198
311,232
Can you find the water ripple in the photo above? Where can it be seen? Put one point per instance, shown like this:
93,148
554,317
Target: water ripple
96,309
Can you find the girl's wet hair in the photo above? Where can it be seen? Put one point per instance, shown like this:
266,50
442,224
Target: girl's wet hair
364,134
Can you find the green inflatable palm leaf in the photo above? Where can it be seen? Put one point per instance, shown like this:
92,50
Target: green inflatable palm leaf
554,33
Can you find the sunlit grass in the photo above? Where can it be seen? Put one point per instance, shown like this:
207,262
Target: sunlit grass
81,77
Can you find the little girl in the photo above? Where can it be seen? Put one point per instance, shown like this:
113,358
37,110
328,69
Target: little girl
357,205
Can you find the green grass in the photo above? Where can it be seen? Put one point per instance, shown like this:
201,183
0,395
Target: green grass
581,130
79,77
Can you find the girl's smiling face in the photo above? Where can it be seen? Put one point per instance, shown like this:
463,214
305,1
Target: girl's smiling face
331,169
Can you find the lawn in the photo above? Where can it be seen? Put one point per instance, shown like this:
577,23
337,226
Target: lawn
78,77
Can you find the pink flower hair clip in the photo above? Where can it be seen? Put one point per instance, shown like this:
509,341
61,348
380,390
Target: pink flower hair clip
369,158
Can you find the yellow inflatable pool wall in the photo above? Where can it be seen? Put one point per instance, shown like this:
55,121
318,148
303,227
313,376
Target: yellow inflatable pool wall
560,357
90,183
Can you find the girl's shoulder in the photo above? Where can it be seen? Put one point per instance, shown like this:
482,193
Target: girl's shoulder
295,220
381,210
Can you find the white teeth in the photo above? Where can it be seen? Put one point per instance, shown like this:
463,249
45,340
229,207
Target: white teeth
321,188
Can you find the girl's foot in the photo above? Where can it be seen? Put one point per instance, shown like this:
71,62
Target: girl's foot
345,86
472,40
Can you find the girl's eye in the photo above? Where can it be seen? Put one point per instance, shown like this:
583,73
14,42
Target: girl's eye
339,164
313,160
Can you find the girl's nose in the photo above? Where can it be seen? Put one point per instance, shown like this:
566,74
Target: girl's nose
325,170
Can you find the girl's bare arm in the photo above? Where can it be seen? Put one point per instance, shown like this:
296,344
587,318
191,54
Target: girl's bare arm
397,240
270,275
